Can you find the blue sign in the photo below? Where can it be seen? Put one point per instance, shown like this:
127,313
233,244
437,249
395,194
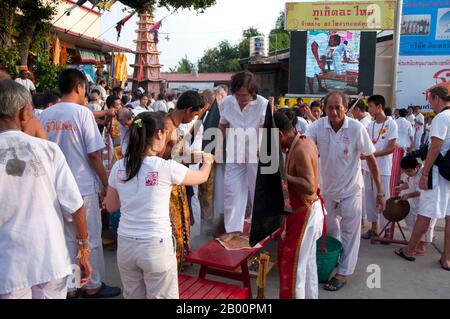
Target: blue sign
425,28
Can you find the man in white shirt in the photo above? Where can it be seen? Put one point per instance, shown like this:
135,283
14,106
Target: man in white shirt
242,115
73,128
383,133
160,105
101,85
405,131
434,202
36,185
410,117
360,113
341,142
26,82
419,122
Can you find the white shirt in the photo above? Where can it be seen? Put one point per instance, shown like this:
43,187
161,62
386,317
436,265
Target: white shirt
250,119
186,128
145,198
413,185
302,125
139,109
381,134
419,127
32,243
135,104
102,91
37,113
74,129
440,128
405,132
160,106
152,101
95,107
170,105
412,119
27,83
340,155
366,120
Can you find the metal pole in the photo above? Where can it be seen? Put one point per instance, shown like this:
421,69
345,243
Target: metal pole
396,51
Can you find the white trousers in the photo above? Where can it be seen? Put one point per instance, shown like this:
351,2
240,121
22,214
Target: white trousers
435,203
94,223
148,268
370,197
239,180
344,224
307,283
417,140
56,289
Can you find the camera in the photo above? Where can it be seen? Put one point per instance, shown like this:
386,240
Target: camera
420,153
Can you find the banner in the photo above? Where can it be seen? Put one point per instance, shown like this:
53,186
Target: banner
340,15
424,51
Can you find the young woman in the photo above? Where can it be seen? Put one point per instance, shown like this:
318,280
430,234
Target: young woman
140,185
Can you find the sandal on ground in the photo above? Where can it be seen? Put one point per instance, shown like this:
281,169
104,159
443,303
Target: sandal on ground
369,234
442,265
401,253
335,284
105,291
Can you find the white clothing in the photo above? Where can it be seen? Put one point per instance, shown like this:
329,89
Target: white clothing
370,196
366,120
102,91
344,224
139,109
94,223
410,221
152,101
239,180
427,133
405,133
37,113
307,283
160,105
340,155
148,267
302,125
145,198
419,127
435,203
440,128
74,129
170,105
337,59
312,68
36,184
412,119
135,104
243,141
56,289
380,135
27,83
95,107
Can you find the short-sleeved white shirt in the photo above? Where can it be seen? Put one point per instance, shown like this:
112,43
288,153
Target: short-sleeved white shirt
366,120
419,128
440,128
340,154
412,119
95,107
139,109
74,129
36,184
27,83
250,119
145,198
381,135
413,185
302,125
160,105
405,132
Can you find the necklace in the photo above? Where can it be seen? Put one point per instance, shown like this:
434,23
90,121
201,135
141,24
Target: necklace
379,132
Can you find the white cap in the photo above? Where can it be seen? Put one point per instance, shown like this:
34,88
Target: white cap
141,89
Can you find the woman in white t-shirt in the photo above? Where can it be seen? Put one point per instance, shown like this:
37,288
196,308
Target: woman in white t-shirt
140,185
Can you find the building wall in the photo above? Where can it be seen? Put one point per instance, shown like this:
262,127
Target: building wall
79,19
384,74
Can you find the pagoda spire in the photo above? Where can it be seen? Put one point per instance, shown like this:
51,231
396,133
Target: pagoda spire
147,69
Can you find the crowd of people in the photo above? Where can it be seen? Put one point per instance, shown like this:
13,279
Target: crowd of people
343,159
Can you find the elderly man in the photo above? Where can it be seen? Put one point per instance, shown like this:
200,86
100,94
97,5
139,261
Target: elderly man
241,116
342,141
36,186
26,82
73,128
435,200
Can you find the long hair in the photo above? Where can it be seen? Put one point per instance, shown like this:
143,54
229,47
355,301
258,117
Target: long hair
141,133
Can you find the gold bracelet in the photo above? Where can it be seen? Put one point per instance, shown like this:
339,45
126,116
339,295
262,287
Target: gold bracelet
83,253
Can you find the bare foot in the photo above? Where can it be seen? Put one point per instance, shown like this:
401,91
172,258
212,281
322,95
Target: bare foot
229,236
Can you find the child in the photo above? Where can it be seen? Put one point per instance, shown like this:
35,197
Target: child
411,167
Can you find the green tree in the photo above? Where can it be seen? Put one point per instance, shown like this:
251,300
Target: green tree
244,45
223,58
148,5
278,37
184,65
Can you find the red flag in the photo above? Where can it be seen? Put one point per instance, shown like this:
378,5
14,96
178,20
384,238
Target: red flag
156,26
121,23
141,70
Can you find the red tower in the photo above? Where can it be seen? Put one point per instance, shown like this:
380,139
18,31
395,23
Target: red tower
147,70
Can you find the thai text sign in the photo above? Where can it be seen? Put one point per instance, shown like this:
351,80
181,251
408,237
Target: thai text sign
339,15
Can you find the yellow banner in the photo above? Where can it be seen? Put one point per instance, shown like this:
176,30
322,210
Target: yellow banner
339,15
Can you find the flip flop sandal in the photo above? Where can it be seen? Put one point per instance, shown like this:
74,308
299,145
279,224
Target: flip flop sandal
336,283
369,234
442,265
402,254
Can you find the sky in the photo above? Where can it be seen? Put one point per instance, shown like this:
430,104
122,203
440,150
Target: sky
191,34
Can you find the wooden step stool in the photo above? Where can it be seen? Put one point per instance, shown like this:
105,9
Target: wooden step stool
197,288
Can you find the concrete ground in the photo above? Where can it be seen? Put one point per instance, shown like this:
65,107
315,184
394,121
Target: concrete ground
399,278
